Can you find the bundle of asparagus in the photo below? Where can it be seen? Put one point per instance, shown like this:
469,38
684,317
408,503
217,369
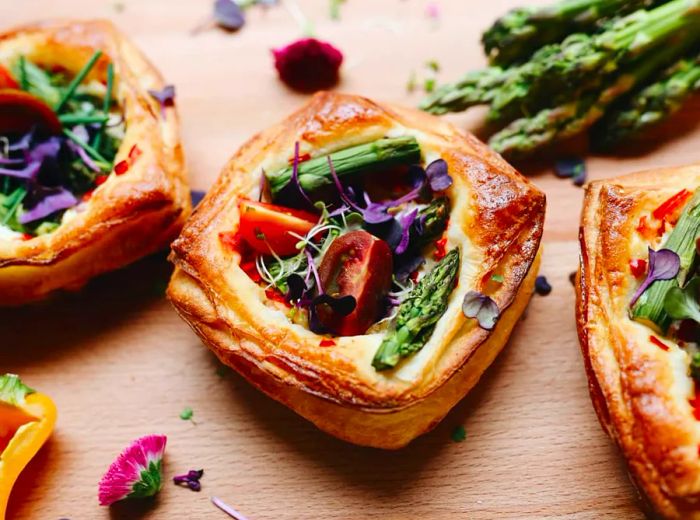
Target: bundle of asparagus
563,88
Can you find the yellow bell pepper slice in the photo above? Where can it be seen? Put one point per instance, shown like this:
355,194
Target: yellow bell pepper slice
26,421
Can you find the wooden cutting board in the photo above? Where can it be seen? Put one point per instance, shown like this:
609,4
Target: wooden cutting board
120,363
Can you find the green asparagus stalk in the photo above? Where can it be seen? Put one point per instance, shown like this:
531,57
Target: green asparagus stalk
649,105
527,135
315,172
419,313
557,70
515,36
433,220
649,308
476,88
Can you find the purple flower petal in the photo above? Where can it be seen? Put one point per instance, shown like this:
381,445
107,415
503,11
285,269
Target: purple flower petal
227,509
23,143
190,479
295,174
84,156
228,15
406,222
664,264
197,196
56,201
49,149
165,98
482,307
437,175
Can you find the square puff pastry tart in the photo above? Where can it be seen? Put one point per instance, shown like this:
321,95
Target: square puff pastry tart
131,214
495,220
639,373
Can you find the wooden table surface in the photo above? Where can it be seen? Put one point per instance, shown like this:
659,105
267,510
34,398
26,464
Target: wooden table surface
120,363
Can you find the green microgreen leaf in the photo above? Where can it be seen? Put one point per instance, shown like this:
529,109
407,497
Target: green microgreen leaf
682,304
433,65
459,433
186,414
429,85
103,163
498,278
79,77
13,390
13,202
23,83
411,84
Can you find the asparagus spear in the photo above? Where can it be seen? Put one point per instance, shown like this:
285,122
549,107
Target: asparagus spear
649,105
315,173
649,308
557,70
433,220
515,36
526,135
419,313
475,88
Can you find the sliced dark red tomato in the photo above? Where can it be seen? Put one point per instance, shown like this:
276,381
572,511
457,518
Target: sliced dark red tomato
267,226
7,80
357,264
20,111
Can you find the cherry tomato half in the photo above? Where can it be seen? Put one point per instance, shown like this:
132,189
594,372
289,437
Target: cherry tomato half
20,112
360,265
267,226
7,80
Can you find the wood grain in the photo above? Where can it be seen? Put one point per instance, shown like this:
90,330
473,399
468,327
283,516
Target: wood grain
120,363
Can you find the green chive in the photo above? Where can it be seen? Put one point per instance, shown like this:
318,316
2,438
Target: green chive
17,197
23,83
77,80
106,103
89,149
79,119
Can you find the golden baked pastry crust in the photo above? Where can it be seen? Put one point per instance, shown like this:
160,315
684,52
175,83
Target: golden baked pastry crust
130,215
496,219
640,392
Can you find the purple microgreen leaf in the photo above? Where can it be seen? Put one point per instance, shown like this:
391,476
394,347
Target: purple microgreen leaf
197,196
407,264
84,156
49,149
296,287
542,286
437,175
342,305
416,176
228,15
405,222
165,97
664,264
295,174
29,172
190,479
56,200
568,167
482,307
339,186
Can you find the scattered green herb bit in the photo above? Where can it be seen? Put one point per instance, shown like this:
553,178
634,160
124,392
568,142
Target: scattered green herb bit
411,84
429,84
498,278
186,414
335,9
104,163
23,83
433,65
695,366
12,204
459,433
79,77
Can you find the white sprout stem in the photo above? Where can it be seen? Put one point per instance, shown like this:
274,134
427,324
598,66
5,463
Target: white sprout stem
227,509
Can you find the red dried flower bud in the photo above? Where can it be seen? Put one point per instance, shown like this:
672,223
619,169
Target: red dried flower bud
308,64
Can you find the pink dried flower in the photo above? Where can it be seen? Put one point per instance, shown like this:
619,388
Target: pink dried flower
136,473
432,10
308,64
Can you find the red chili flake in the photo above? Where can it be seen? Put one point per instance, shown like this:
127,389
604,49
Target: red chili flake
101,179
656,341
638,267
302,157
87,195
134,153
275,295
327,342
121,167
230,239
440,249
27,236
670,206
